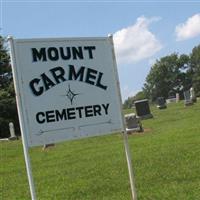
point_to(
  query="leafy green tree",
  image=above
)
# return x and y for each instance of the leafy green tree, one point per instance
(171, 74)
(166, 75)
(139, 96)
(8, 110)
(5, 68)
(128, 103)
(195, 69)
(4, 57)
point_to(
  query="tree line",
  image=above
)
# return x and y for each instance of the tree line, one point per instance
(169, 75)
(8, 109)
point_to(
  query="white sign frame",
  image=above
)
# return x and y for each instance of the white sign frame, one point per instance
(43, 88)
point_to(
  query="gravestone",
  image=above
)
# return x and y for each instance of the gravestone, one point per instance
(12, 131)
(171, 97)
(142, 109)
(133, 123)
(187, 96)
(192, 95)
(177, 97)
(161, 103)
(171, 94)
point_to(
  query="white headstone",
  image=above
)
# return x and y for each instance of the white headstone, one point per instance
(192, 94)
(177, 97)
(12, 130)
(188, 100)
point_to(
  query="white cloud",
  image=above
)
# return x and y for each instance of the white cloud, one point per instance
(189, 29)
(136, 42)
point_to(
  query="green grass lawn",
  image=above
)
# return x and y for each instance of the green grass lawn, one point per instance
(166, 161)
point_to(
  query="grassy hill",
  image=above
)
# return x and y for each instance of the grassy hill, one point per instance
(165, 160)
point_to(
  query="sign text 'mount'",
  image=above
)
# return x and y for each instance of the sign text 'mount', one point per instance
(64, 53)
(68, 88)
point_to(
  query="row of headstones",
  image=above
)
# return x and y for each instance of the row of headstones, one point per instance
(133, 121)
(189, 99)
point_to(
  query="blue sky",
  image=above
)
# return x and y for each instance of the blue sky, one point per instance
(143, 30)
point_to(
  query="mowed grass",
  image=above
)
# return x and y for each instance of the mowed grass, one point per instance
(166, 162)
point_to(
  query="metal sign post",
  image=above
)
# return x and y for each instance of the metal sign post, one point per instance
(130, 168)
(124, 132)
(22, 125)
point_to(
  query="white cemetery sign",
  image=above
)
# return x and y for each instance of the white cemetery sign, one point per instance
(68, 88)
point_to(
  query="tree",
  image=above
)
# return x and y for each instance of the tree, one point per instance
(172, 74)
(139, 96)
(8, 109)
(128, 103)
(169, 74)
(5, 68)
(4, 57)
(195, 69)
